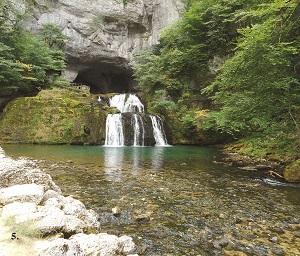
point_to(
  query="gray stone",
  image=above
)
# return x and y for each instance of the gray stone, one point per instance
(91, 220)
(22, 171)
(104, 35)
(128, 244)
(17, 208)
(52, 194)
(53, 222)
(58, 247)
(104, 244)
(73, 225)
(101, 244)
(22, 193)
(72, 206)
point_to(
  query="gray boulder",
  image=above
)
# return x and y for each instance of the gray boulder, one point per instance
(22, 193)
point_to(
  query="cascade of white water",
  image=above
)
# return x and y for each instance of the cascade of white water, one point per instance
(115, 125)
(131, 103)
(139, 130)
(158, 131)
(114, 130)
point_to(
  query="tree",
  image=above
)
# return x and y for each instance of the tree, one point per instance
(53, 36)
(9, 69)
(258, 88)
(28, 61)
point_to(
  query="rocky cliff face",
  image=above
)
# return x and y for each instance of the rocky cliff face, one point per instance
(105, 35)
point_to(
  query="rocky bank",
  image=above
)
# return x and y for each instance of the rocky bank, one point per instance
(36, 214)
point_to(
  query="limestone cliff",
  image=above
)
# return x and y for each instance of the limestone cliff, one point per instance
(105, 35)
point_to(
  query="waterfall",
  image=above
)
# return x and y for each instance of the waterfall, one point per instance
(114, 130)
(133, 127)
(158, 131)
(127, 104)
(139, 134)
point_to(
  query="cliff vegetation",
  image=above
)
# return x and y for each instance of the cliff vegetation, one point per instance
(239, 62)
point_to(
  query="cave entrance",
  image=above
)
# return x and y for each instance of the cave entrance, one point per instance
(104, 78)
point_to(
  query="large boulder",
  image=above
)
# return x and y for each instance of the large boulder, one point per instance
(20, 209)
(22, 171)
(22, 193)
(82, 244)
(57, 215)
(104, 244)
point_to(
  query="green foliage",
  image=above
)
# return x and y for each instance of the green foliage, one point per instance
(258, 87)
(53, 36)
(161, 103)
(189, 125)
(257, 90)
(28, 61)
(206, 29)
(9, 69)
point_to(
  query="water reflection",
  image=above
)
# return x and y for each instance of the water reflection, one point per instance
(157, 157)
(113, 162)
(119, 159)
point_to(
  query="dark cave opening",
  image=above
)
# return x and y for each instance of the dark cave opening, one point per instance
(104, 78)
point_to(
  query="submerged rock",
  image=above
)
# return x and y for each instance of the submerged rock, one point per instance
(116, 211)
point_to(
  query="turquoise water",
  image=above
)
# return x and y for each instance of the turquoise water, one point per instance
(189, 196)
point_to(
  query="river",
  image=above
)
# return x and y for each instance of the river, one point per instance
(178, 200)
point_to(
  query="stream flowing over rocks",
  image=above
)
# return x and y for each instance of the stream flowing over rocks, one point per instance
(27, 194)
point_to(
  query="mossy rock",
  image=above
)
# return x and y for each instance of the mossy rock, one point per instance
(58, 116)
(292, 172)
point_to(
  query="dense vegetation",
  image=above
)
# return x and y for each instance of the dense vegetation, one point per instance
(255, 91)
(28, 61)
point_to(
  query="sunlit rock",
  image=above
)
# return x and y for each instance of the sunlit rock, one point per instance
(18, 208)
(116, 211)
(22, 193)
(58, 247)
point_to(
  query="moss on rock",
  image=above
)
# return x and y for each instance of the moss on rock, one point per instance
(292, 172)
(54, 116)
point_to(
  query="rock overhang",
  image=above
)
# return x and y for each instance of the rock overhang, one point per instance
(105, 35)
(103, 75)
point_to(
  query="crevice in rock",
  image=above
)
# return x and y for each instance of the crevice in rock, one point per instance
(67, 235)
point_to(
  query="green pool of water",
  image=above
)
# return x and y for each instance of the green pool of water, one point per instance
(188, 197)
